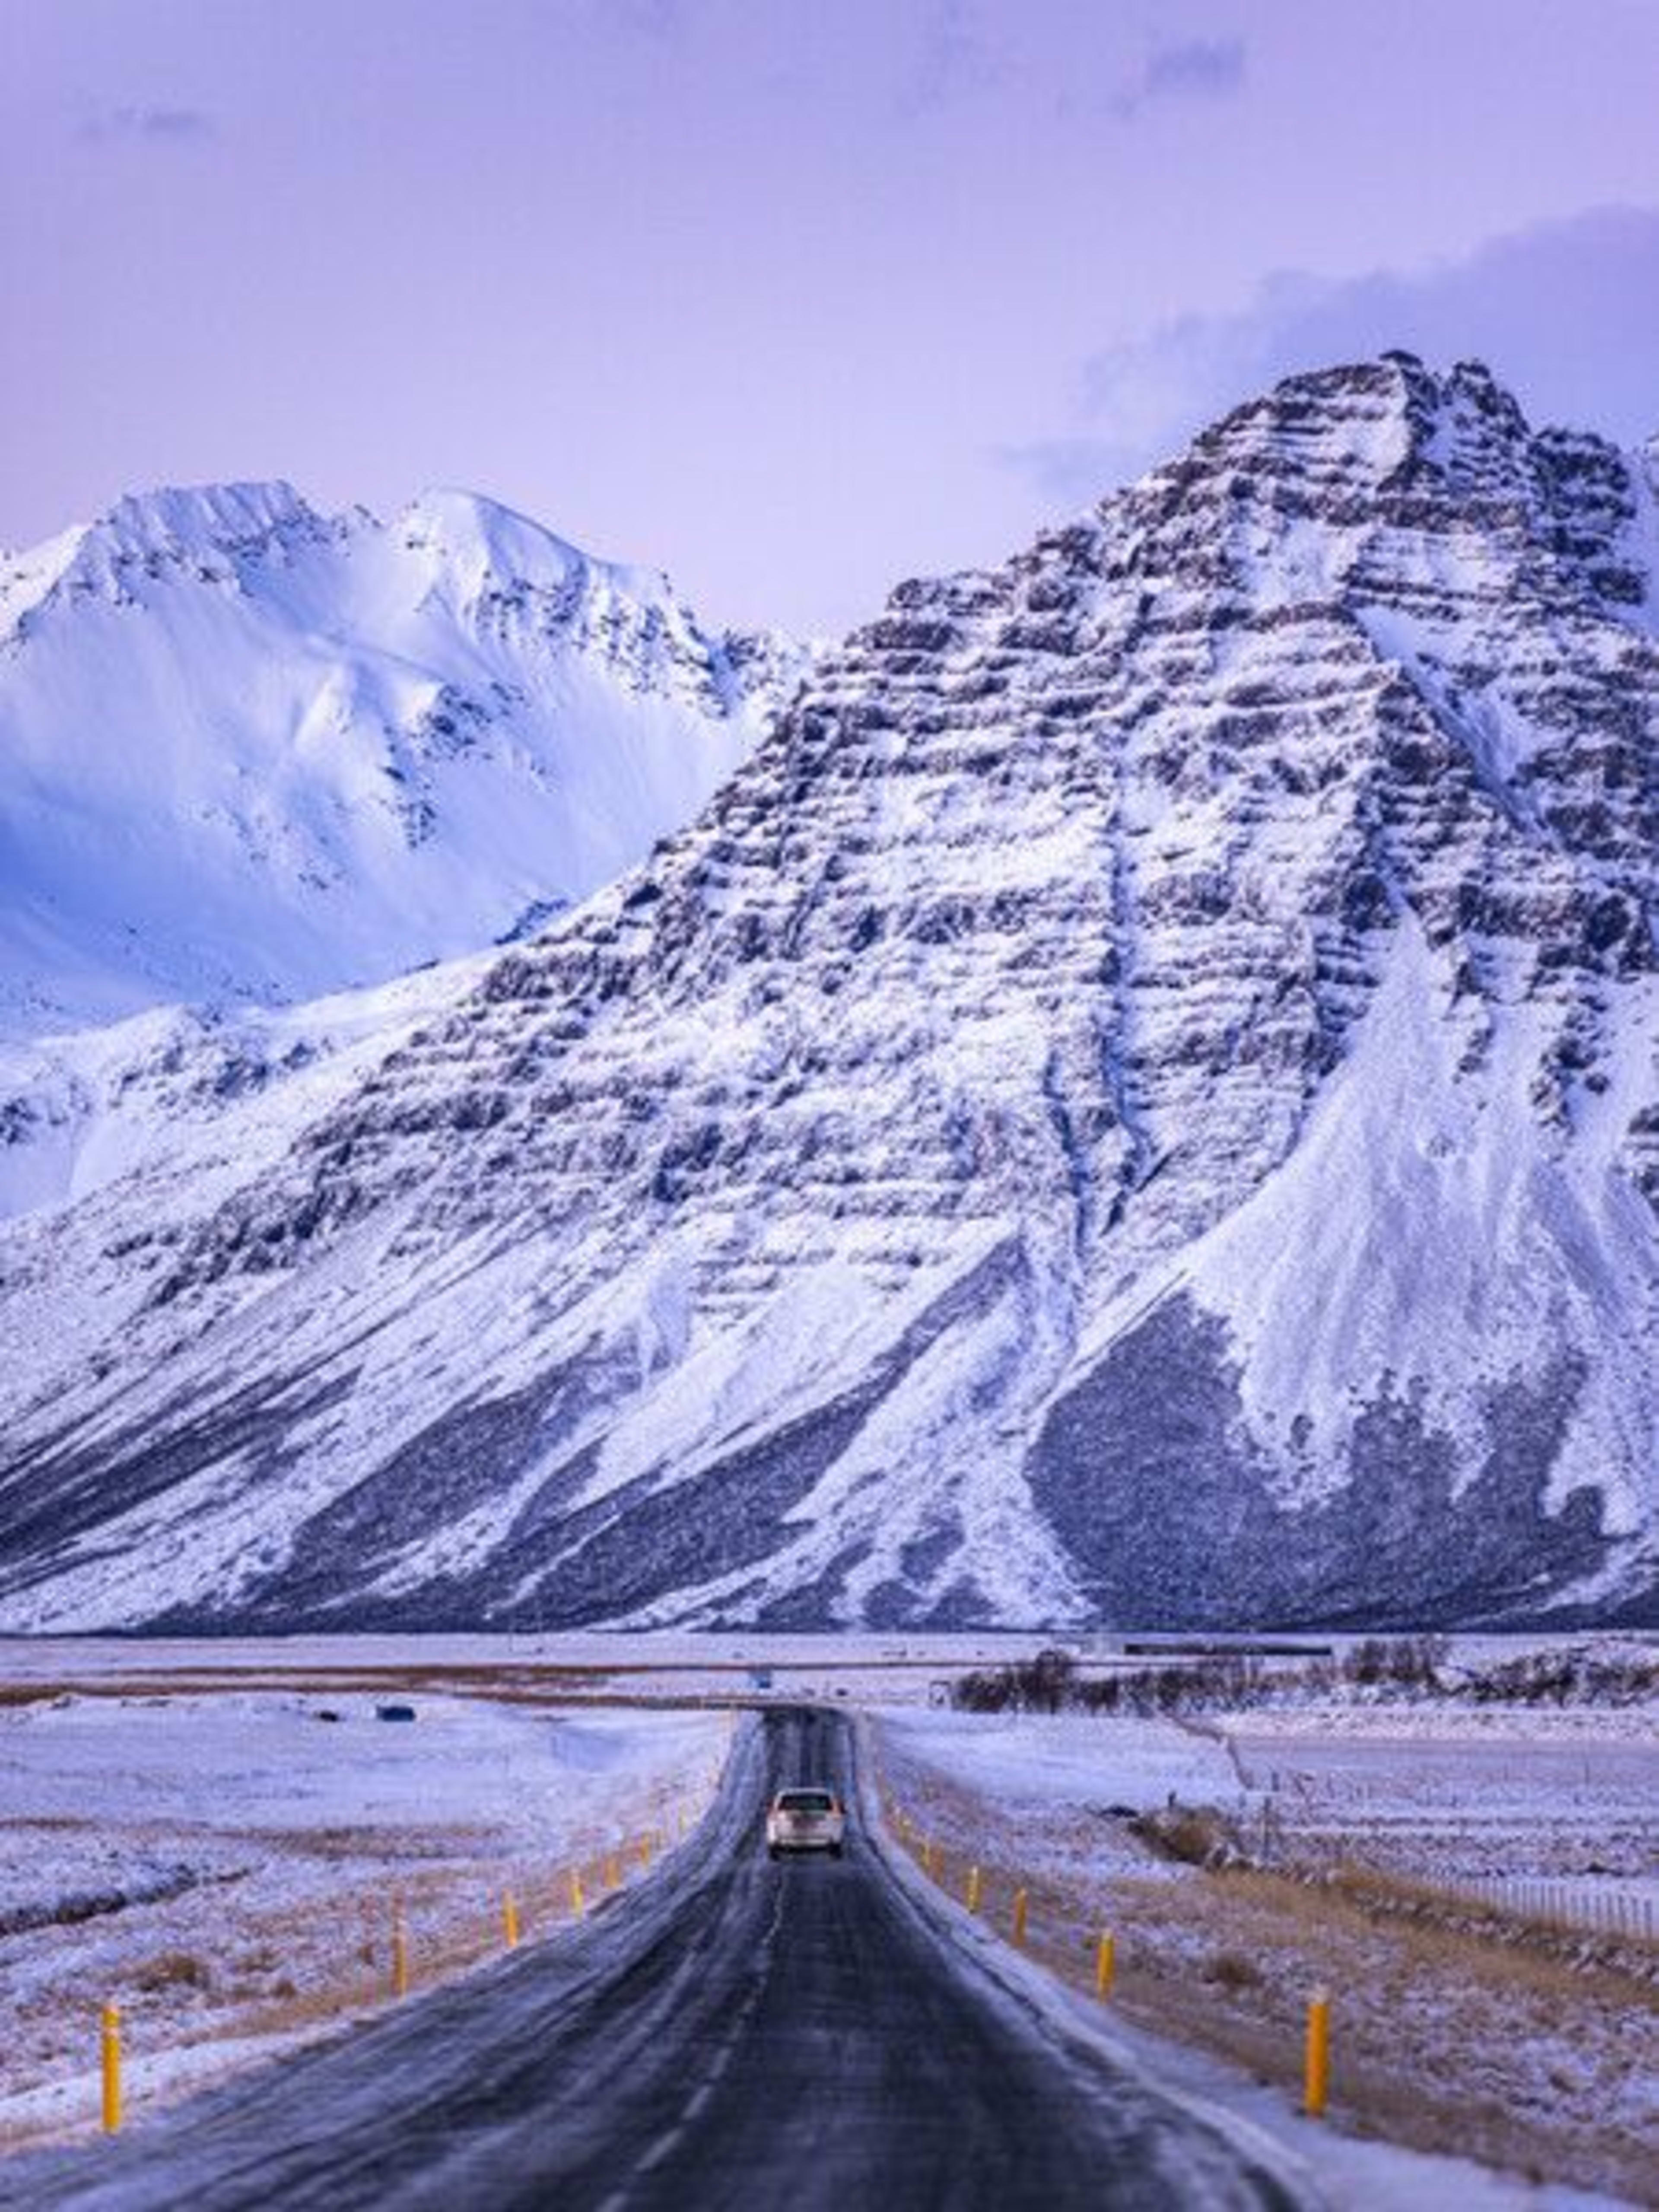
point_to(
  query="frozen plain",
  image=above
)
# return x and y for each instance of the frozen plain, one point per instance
(1391, 1852)
(258, 1847)
(224, 1864)
(239, 1855)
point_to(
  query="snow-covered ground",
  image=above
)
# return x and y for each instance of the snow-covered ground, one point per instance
(1356, 2173)
(895, 1668)
(1531, 2047)
(225, 1867)
(183, 1830)
(1475, 1799)
(1433, 1790)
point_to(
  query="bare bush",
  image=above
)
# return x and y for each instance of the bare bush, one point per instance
(1568, 1678)
(1229, 1681)
(1233, 1970)
(172, 1970)
(1193, 1835)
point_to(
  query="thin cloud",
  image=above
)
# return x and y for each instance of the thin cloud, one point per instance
(663, 22)
(1204, 69)
(954, 59)
(1566, 313)
(149, 126)
(1191, 68)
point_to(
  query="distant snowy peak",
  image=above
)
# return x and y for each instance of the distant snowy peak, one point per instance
(203, 534)
(507, 577)
(482, 563)
(366, 744)
(475, 541)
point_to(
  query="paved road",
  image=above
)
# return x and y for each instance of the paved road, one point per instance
(731, 2034)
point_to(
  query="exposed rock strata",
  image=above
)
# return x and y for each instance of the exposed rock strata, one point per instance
(1135, 1103)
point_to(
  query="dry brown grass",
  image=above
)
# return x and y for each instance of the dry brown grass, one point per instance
(1455, 2029)
(171, 1970)
(1233, 1970)
(308, 1966)
(1434, 1928)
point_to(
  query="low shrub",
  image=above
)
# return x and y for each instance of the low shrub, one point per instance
(1194, 1835)
(172, 1970)
(1232, 1970)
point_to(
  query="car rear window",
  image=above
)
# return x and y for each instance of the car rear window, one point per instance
(805, 1800)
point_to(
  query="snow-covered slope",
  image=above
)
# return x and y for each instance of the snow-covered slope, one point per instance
(251, 752)
(1135, 1103)
(181, 1088)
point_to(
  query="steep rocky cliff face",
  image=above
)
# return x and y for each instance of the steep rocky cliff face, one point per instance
(1135, 1103)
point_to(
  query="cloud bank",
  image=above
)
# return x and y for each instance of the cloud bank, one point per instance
(1566, 313)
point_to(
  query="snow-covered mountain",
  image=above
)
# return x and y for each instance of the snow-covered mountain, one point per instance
(1135, 1103)
(88, 1108)
(250, 752)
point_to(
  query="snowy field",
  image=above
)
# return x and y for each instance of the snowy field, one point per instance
(225, 1867)
(1241, 1862)
(897, 1669)
(1468, 1798)
(184, 1830)
(1561, 1806)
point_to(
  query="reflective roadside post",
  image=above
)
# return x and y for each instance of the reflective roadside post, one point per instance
(1317, 2061)
(1105, 1963)
(110, 2039)
(399, 1951)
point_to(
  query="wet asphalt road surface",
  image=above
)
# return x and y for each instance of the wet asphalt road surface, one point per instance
(733, 2033)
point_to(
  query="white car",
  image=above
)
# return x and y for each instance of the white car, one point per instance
(806, 1820)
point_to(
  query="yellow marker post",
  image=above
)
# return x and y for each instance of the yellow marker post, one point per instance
(1022, 1906)
(1317, 2062)
(613, 1872)
(1105, 1963)
(578, 1901)
(928, 1856)
(399, 1954)
(645, 1854)
(111, 2040)
(975, 1888)
(510, 1920)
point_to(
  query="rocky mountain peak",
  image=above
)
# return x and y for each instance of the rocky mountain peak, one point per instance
(1131, 1103)
(362, 746)
(477, 546)
(200, 534)
(1405, 455)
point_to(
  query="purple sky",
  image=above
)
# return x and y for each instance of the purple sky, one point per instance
(790, 297)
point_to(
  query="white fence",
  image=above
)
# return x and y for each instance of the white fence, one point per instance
(1602, 1910)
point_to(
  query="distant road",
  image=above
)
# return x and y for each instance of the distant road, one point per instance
(731, 2034)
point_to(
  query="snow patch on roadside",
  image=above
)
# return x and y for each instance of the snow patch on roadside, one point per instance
(242, 1852)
